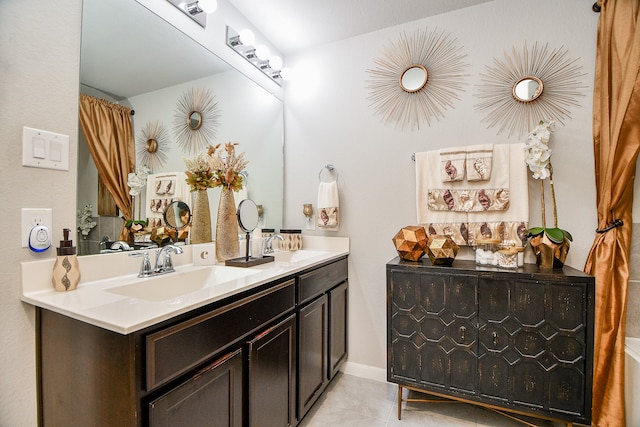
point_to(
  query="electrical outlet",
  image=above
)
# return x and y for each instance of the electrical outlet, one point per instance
(33, 217)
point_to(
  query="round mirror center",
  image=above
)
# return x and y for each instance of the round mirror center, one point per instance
(152, 145)
(194, 120)
(528, 89)
(247, 215)
(414, 78)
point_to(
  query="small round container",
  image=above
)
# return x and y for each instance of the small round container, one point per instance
(487, 251)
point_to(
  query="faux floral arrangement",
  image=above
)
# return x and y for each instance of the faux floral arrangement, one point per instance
(538, 158)
(218, 167)
(85, 220)
(137, 182)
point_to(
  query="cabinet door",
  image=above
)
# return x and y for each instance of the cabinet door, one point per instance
(532, 344)
(272, 383)
(433, 330)
(213, 397)
(337, 328)
(312, 352)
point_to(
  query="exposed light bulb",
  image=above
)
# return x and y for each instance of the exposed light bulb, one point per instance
(275, 62)
(263, 52)
(247, 37)
(208, 6)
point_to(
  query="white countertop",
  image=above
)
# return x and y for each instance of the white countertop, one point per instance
(104, 296)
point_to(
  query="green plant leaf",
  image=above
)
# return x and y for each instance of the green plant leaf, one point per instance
(535, 231)
(556, 235)
(567, 235)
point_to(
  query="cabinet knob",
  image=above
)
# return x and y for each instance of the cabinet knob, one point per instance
(494, 335)
(463, 331)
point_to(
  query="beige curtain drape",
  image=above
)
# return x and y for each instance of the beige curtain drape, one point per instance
(616, 130)
(109, 133)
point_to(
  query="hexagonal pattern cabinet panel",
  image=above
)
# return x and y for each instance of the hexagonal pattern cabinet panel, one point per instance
(519, 339)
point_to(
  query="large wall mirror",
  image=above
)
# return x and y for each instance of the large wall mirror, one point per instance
(131, 56)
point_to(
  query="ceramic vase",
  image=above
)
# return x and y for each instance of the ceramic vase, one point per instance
(200, 218)
(549, 255)
(227, 242)
(66, 273)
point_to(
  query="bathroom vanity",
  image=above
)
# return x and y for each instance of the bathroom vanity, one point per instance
(518, 341)
(257, 356)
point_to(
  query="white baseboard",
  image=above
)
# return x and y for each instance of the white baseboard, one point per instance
(365, 371)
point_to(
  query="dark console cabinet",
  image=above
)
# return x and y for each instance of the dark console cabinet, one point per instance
(518, 340)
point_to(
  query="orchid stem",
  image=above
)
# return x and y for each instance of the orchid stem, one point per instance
(544, 215)
(553, 197)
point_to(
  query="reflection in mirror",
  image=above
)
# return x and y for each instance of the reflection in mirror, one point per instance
(194, 120)
(114, 33)
(414, 78)
(177, 215)
(528, 89)
(247, 215)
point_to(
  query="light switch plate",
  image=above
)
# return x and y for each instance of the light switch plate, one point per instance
(33, 217)
(43, 149)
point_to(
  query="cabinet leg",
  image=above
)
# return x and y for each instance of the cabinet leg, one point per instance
(399, 402)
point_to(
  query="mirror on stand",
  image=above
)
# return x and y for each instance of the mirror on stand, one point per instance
(248, 218)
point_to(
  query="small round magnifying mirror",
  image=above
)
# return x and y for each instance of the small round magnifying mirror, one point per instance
(528, 89)
(194, 120)
(247, 215)
(177, 215)
(414, 78)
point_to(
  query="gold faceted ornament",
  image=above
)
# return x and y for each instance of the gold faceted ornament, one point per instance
(442, 250)
(410, 242)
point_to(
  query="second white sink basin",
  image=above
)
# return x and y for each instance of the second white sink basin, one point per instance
(173, 285)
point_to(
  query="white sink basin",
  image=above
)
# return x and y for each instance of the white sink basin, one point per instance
(173, 285)
(292, 257)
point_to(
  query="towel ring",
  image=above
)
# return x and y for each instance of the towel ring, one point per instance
(330, 168)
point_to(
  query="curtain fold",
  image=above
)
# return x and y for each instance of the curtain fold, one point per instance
(616, 133)
(109, 133)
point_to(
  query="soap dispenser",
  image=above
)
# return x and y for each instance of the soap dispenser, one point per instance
(66, 271)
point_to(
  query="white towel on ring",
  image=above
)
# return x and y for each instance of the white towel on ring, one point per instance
(328, 205)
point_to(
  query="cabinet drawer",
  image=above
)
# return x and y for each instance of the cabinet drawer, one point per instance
(175, 350)
(321, 280)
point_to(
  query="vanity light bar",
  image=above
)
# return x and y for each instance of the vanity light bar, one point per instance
(192, 10)
(248, 52)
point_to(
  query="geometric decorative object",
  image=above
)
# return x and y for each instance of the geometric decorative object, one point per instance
(530, 85)
(441, 250)
(152, 145)
(195, 120)
(417, 78)
(410, 242)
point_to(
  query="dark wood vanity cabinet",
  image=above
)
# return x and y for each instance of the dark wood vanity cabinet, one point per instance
(322, 326)
(519, 340)
(235, 362)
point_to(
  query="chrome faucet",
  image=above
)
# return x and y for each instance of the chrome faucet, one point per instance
(120, 246)
(267, 248)
(164, 264)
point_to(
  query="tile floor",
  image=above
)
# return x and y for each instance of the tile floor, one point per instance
(354, 401)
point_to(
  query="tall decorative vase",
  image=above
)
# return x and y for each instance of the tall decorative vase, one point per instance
(200, 218)
(227, 243)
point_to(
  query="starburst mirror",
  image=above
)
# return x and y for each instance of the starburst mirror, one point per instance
(417, 78)
(196, 120)
(528, 85)
(152, 145)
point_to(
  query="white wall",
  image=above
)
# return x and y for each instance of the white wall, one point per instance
(328, 120)
(39, 59)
